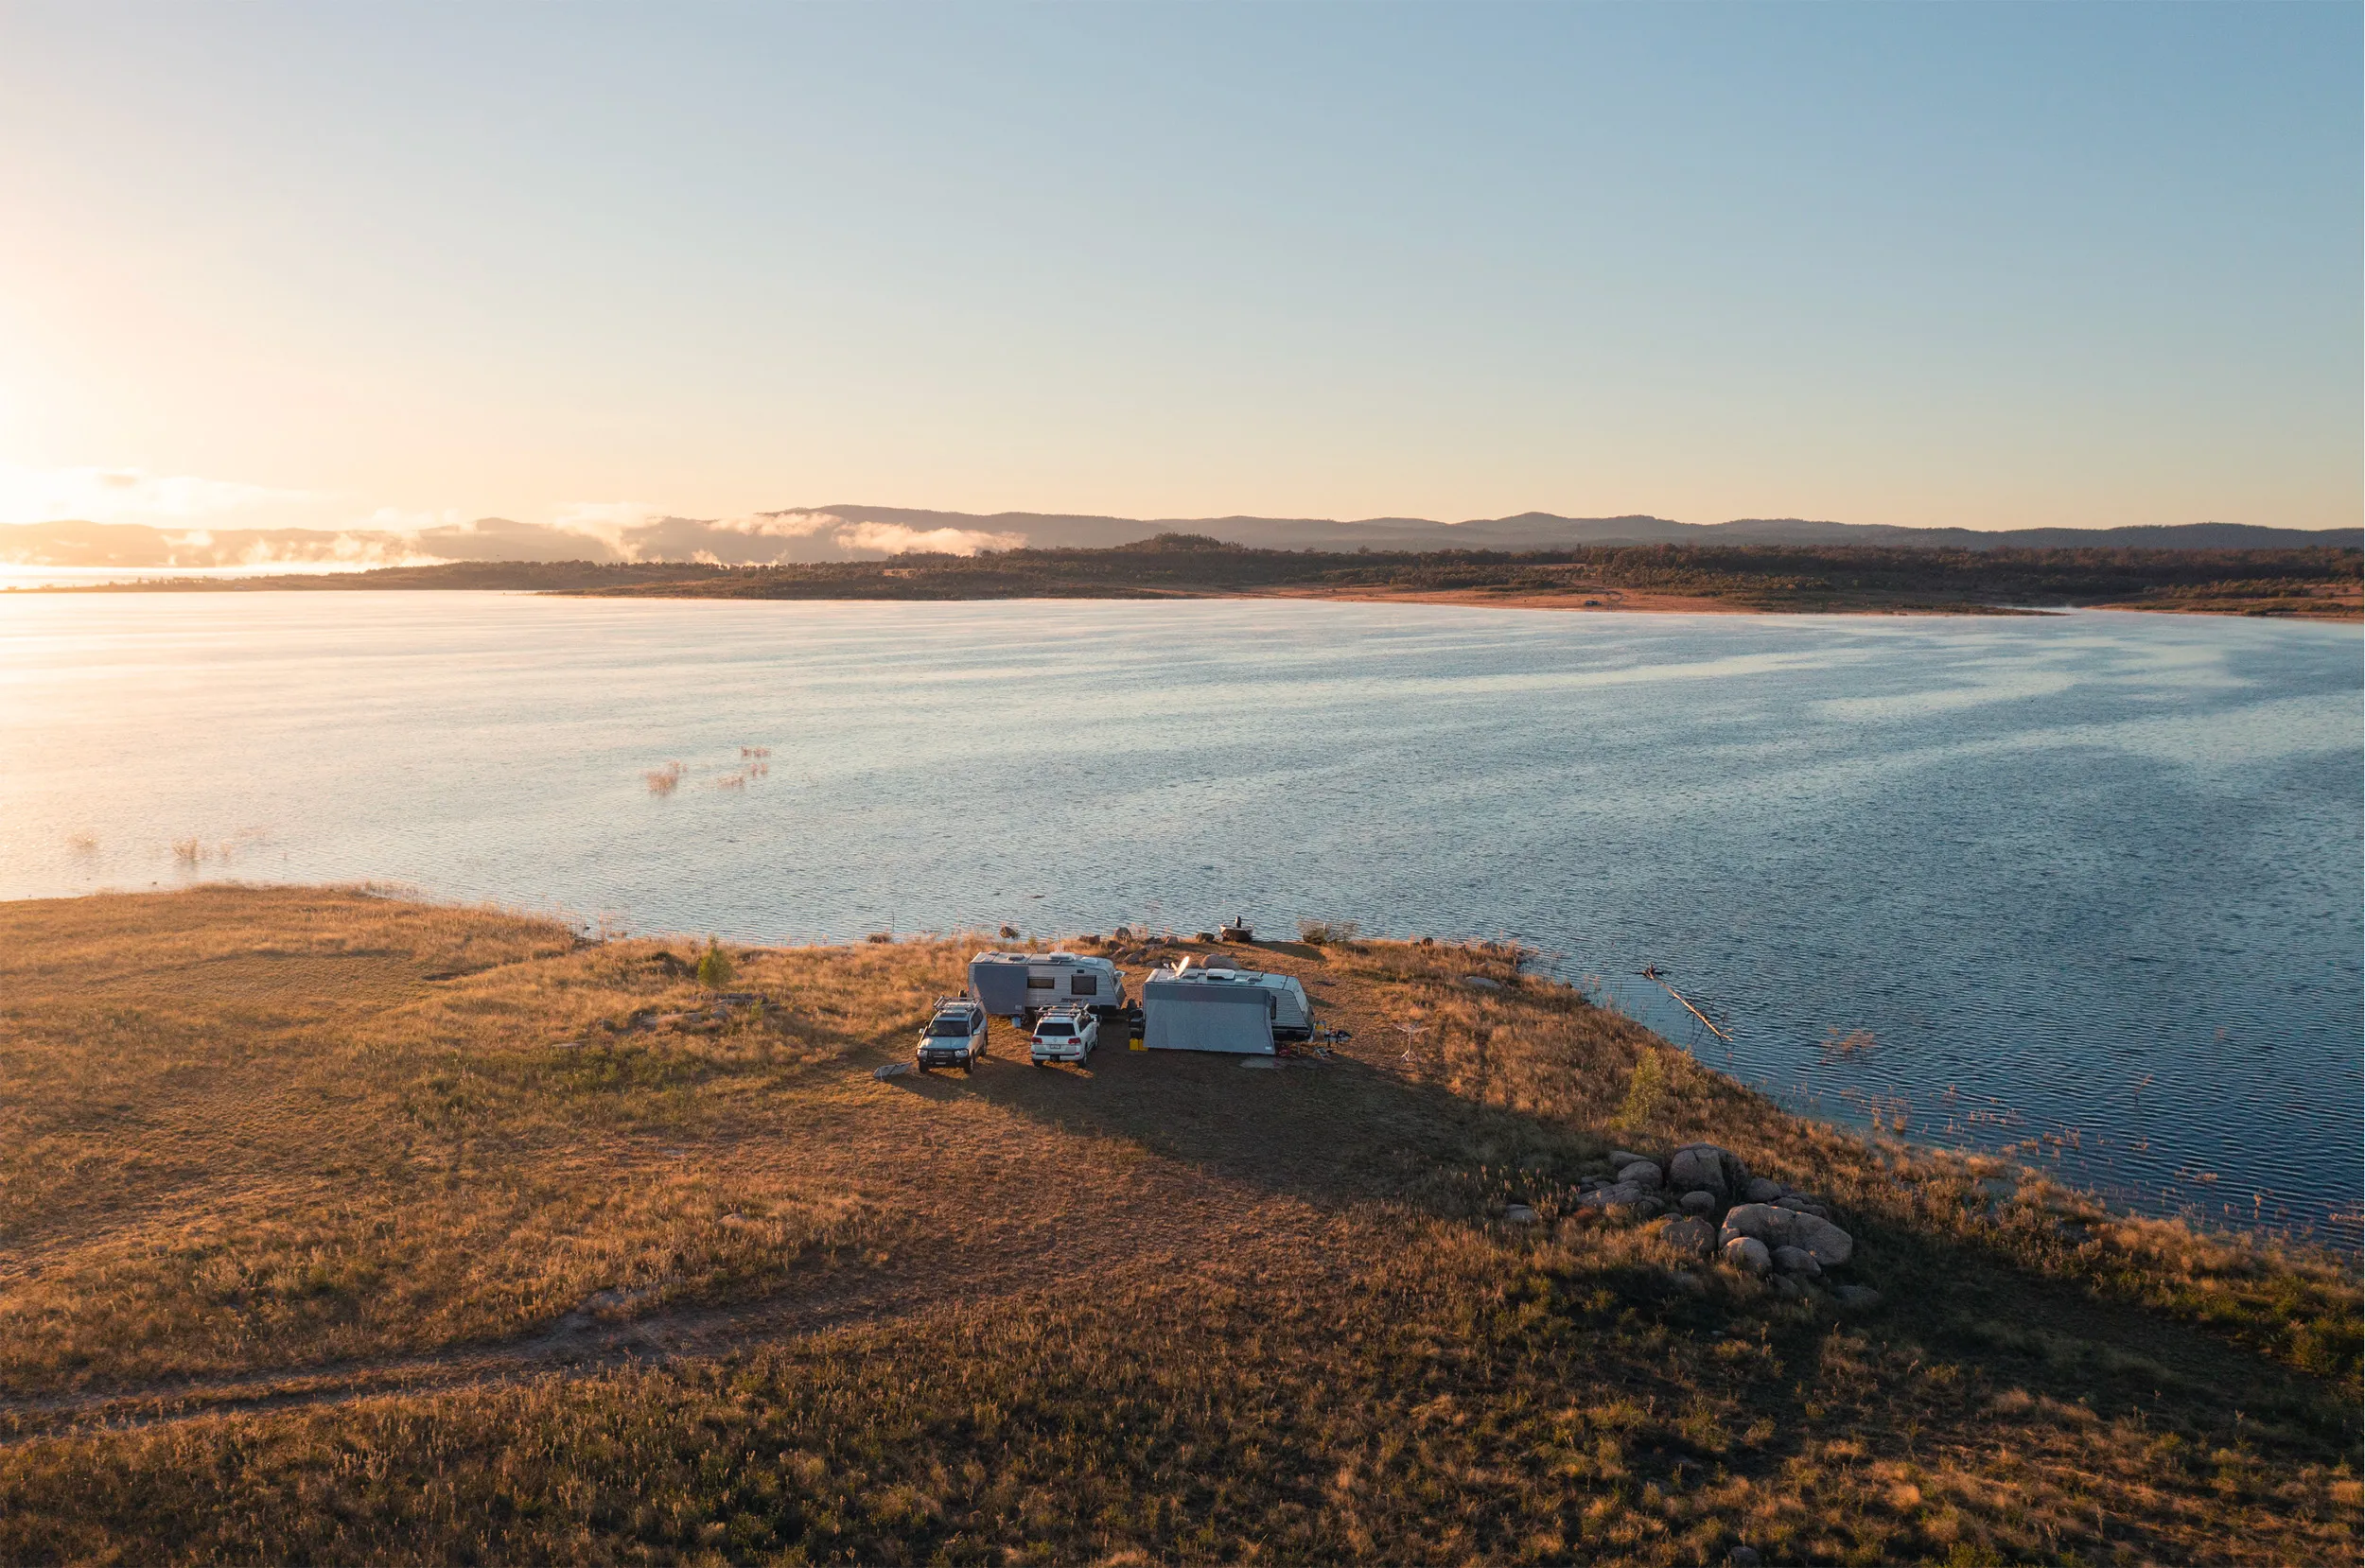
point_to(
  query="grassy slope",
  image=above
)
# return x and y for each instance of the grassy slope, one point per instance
(302, 1187)
(2322, 583)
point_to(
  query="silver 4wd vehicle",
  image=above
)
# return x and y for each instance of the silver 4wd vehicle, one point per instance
(1065, 1034)
(955, 1036)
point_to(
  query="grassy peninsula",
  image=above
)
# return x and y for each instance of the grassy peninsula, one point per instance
(2319, 583)
(335, 1228)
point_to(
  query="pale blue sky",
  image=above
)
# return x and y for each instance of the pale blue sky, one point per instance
(1987, 265)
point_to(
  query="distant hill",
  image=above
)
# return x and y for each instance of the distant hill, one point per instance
(1549, 531)
(806, 535)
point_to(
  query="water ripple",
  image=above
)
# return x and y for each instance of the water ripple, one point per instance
(2083, 887)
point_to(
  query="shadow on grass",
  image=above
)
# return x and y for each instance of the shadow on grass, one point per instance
(1341, 1134)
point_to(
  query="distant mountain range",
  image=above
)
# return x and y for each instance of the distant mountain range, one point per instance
(869, 532)
(1547, 531)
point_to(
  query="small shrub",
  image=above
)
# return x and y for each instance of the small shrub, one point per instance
(715, 967)
(880, 937)
(1645, 1091)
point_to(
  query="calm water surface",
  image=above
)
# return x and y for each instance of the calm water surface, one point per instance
(2092, 879)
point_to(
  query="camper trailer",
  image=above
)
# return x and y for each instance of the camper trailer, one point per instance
(1238, 1011)
(1020, 984)
(1293, 1010)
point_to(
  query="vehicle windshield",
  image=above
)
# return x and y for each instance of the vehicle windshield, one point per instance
(1056, 1028)
(956, 1027)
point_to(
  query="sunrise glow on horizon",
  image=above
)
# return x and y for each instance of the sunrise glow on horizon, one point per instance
(1994, 267)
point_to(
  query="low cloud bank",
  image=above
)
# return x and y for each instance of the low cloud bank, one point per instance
(606, 531)
(895, 539)
(138, 547)
(105, 518)
(618, 531)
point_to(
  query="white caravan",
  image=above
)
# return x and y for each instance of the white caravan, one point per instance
(1020, 984)
(1293, 1010)
(1238, 1011)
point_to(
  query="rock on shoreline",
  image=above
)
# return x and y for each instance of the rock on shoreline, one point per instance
(1787, 1228)
(1751, 1223)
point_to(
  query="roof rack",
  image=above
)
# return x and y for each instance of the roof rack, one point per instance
(1006, 956)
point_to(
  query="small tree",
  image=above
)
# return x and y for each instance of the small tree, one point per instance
(715, 967)
(1646, 1092)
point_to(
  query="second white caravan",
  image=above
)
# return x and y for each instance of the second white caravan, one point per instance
(1020, 984)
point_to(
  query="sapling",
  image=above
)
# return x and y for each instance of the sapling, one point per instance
(1645, 1092)
(715, 967)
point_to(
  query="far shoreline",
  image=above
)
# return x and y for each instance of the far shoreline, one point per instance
(2349, 611)
(2319, 582)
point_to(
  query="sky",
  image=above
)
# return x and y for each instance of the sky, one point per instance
(387, 266)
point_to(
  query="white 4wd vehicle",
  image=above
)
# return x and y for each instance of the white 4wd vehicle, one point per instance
(1065, 1034)
(955, 1036)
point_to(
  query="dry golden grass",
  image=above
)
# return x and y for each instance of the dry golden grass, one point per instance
(377, 1229)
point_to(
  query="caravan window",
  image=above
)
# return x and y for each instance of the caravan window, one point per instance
(1084, 986)
(1041, 983)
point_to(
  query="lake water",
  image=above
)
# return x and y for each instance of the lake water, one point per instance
(2090, 879)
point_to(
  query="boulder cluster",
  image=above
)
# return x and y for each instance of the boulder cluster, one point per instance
(1751, 1223)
